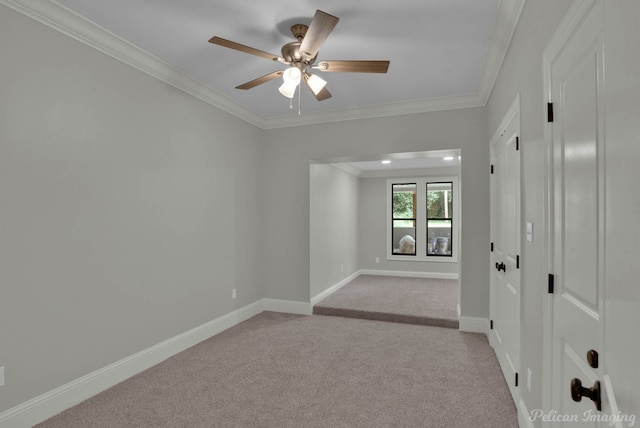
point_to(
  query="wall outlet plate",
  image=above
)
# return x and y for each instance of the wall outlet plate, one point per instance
(1, 376)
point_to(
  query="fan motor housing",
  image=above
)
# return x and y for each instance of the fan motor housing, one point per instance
(291, 53)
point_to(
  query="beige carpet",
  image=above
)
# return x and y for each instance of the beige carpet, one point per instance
(281, 370)
(387, 298)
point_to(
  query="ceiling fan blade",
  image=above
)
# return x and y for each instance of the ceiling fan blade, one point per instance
(260, 80)
(246, 49)
(321, 26)
(353, 66)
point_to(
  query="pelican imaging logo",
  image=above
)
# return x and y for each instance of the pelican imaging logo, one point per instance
(588, 416)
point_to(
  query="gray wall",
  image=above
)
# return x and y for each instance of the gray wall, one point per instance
(522, 73)
(333, 227)
(129, 210)
(289, 152)
(373, 237)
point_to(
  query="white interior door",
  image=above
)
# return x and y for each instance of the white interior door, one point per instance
(577, 223)
(505, 292)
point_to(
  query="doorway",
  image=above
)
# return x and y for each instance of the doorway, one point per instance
(368, 216)
(505, 246)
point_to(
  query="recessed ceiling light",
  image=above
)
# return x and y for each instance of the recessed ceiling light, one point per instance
(386, 161)
(448, 158)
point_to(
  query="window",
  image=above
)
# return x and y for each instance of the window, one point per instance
(403, 209)
(439, 219)
(423, 221)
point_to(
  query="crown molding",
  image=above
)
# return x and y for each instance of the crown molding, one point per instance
(348, 169)
(507, 18)
(413, 172)
(64, 20)
(395, 109)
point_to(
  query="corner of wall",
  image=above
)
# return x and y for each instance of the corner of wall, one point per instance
(474, 325)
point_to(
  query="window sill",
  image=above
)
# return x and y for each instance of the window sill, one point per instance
(436, 259)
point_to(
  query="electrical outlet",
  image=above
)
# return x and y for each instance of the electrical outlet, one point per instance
(341, 268)
(377, 259)
(529, 375)
(233, 293)
(1, 376)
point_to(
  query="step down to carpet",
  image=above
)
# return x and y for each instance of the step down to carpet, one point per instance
(422, 301)
(382, 316)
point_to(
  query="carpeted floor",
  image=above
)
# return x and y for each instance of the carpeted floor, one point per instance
(282, 370)
(387, 298)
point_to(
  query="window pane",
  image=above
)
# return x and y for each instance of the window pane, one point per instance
(404, 201)
(404, 237)
(439, 240)
(439, 219)
(440, 200)
(404, 219)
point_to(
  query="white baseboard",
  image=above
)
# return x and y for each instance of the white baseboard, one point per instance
(287, 306)
(474, 325)
(55, 401)
(434, 275)
(318, 297)
(524, 418)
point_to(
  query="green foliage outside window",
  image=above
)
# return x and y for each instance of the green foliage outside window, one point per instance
(436, 204)
(403, 204)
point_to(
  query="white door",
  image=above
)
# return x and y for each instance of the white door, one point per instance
(577, 227)
(505, 268)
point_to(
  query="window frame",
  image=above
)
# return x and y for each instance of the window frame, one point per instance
(421, 220)
(414, 218)
(449, 219)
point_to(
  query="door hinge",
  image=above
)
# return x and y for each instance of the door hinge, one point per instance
(517, 143)
(491, 325)
(491, 169)
(516, 379)
(549, 112)
(517, 262)
(550, 289)
(492, 246)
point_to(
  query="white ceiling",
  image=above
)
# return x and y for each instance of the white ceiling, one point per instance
(443, 53)
(396, 162)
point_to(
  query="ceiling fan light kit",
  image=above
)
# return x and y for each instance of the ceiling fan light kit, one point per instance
(292, 75)
(301, 56)
(315, 83)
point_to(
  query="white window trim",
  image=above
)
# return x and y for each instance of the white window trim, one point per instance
(421, 223)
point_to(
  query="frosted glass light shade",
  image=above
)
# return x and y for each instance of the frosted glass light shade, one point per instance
(316, 83)
(292, 75)
(288, 89)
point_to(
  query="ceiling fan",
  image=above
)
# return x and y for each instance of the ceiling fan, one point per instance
(301, 56)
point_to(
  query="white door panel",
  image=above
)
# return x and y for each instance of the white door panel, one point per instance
(578, 232)
(505, 283)
(593, 240)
